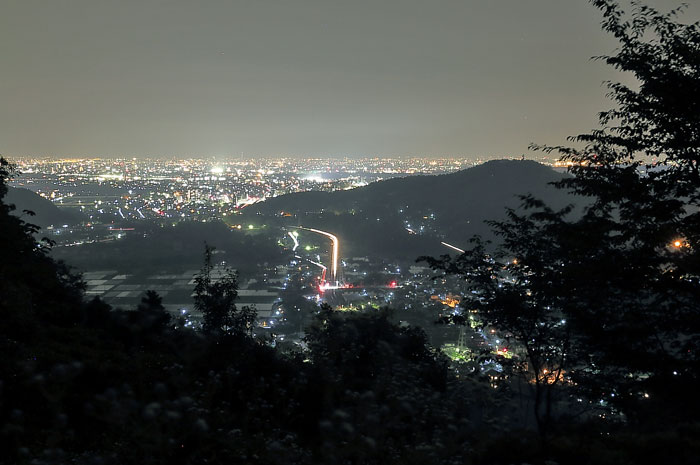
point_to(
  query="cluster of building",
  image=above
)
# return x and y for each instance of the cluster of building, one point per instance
(114, 195)
(138, 189)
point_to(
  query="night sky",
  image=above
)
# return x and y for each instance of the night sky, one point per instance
(299, 77)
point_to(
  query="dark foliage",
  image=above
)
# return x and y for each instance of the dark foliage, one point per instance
(81, 382)
(30, 281)
(611, 296)
(215, 298)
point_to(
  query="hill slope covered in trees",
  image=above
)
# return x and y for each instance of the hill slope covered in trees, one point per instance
(46, 213)
(376, 219)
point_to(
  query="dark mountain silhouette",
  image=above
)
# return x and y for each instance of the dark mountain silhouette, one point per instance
(46, 213)
(450, 207)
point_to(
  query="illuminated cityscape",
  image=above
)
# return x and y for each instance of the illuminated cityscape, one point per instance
(110, 192)
(203, 189)
(350, 232)
(123, 200)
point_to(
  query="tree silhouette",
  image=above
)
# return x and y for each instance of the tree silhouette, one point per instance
(151, 312)
(151, 301)
(216, 290)
(621, 272)
(634, 266)
(511, 291)
(32, 284)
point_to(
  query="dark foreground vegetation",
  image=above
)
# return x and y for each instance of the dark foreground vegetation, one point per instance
(604, 308)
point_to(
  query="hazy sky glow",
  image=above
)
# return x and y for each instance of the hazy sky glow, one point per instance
(298, 77)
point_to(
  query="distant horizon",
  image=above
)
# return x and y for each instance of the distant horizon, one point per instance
(282, 157)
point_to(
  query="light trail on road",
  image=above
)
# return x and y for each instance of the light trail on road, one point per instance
(452, 247)
(294, 238)
(334, 255)
(323, 267)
